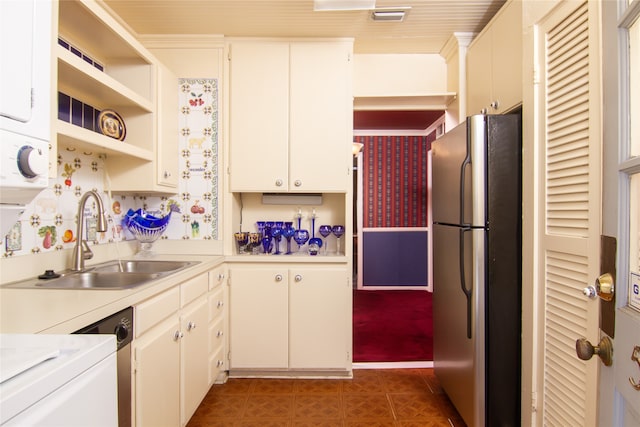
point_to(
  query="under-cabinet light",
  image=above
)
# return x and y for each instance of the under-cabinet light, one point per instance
(325, 5)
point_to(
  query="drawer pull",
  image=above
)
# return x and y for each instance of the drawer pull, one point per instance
(220, 363)
(220, 304)
(177, 335)
(219, 334)
(298, 278)
(278, 277)
(191, 325)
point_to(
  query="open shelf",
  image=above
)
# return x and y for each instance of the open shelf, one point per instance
(75, 137)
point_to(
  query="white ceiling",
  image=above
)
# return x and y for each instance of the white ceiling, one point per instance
(425, 29)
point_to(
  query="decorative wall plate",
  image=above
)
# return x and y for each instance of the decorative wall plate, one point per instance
(111, 124)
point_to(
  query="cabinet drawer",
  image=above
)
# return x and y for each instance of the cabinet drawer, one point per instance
(216, 365)
(216, 335)
(156, 309)
(216, 277)
(216, 304)
(193, 288)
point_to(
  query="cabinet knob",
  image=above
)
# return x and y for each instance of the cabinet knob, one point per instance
(495, 104)
(219, 334)
(278, 183)
(483, 111)
(177, 335)
(297, 183)
(167, 174)
(278, 277)
(220, 363)
(220, 276)
(298, 278)
(220, 304)
(191, 325)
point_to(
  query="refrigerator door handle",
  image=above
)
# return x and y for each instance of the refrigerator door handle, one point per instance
(463, 281)
(463, 169)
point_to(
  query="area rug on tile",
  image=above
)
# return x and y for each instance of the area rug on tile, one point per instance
(392, 326)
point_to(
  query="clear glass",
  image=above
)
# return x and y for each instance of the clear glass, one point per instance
(634, 88)
(634, 223)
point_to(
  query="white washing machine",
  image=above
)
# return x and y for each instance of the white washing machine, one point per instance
(58, 380)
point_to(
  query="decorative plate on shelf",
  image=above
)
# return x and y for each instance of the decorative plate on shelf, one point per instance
(111, 124)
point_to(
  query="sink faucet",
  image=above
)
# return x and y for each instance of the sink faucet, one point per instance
(81, 250)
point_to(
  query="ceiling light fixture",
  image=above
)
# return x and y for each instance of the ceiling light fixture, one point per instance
(389, 15)
(326, 5)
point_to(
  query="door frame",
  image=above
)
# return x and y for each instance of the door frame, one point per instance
(616, 171)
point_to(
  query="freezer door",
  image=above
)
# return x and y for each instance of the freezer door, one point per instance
(448, 154)
(458, 318)
(459, 174)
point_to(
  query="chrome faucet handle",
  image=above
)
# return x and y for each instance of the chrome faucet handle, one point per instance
(86, 251)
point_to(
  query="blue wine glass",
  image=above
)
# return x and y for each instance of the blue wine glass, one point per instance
(266, 244)
(338, 231)
(325, 231)
(287, 232)
(276, 233)
(301, 237)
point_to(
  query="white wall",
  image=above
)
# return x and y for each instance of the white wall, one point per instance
(399, 74)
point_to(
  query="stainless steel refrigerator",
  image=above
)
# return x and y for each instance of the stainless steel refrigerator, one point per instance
(477, 223)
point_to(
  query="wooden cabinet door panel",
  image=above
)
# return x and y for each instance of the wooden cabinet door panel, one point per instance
(319, 313)
(506, 34)
(195, 356)
(479, 75)
(259, 116)
(321, 117)
(157, 376)
(258, 318)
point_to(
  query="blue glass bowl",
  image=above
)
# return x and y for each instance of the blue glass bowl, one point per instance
(145, 227)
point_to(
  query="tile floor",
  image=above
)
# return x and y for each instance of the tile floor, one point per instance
(373, 398)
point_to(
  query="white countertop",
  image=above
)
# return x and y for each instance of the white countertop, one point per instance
(61, 311)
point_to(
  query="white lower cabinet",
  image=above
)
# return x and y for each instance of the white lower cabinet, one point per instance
(289, 318)
(194, 378)
(171, 355)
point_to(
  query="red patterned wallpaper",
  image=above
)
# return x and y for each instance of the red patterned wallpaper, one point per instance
(395, 180)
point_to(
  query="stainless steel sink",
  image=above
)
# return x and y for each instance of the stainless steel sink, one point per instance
(110, 275)
(95, 280)
(140, 266)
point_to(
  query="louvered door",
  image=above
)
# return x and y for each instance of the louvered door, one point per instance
(569, 193)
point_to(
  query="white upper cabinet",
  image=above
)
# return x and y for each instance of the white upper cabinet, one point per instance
(494, 64)
(291, 115)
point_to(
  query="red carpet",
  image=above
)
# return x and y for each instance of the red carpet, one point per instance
(392, 326)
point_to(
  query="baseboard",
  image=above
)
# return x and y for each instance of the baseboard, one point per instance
(392, 365)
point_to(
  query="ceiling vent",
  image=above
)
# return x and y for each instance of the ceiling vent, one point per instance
(389, 15)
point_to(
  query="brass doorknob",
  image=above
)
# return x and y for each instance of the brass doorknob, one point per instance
(585, 350)
(605, 287)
